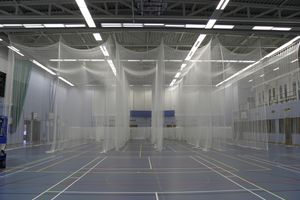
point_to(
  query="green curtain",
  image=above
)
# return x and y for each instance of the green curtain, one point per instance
(22, 71)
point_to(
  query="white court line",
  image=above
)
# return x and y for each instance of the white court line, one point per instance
(61, 161)
(64, 179)
(274, 164)
(125, 148)
(156, 196)
(29, 163)
(171, 148)
(250, 163)
(267, 191)
(232, 157)
(216, 171)
(149, 160)
(18, 171)
(140, 154)
(79, 178)
(224, 164)
(27, 146)
(166, 192)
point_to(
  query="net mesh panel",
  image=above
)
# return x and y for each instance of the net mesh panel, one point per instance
(97, 108)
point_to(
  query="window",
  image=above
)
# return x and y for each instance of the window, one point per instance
(270, 95)
(280, 91)
(271, 126)
(281, 125)
(299, 90)
(285, 91)
(294, 89)
(274, 94)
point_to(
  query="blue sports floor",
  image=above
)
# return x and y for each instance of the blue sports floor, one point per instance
(138, 172)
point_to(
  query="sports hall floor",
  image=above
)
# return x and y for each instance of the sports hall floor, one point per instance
(138, 172)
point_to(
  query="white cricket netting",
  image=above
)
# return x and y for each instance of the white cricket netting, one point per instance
(209, 112)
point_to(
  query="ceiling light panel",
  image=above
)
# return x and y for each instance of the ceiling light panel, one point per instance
(223, 26)
(54, 25)
(132, 25)
(111, 25)
(86, 13)
(210, 23)
(97, 36)
(195, 26)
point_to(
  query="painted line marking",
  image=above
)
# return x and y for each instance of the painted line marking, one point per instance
(224, 164)
(150, 164)
(140, 154)
(166, 192)
(64, 179)
(274, 164)
(263, 189)
(18, 171)
(79, 178)
(250, 163)
(216, 171)
(156, 196)
(72, 157)
(171, 148)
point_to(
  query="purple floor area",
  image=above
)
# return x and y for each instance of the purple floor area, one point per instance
(138, 171)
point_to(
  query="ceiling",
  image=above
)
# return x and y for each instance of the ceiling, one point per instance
(243, 14)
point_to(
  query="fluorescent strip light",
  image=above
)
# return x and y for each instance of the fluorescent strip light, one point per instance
(224, 5)
(175, 25)
(69, 60)
(269, 55)
(148, 60)
(107, 25)
(281, 29)
(33, 25)
(195, 46)
(104, 50)
(183, 66)
(195, 26)
(294, 60)
(43, 67)
(56, 60)
(133, 60)
(12, 25)
(220, 4)
(275, 69)
(112, 66)
(75, 25)
(54, 25)
(1, 25)
(177, 74)
(68, 82)
(97, 60)
(1, 39)
(153, 24)
(132, 25)
(262, 75)
(13, 48)
(263, 28)
(173, 82)
(282, 47)
(86, 13)
(97, 36)
(210, 23)
(223, 26)
(19, 53)
(173, 60)
(250, 80)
